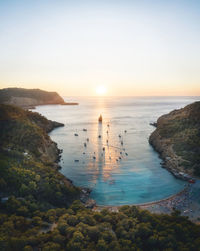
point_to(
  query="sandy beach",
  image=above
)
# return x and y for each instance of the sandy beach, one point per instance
(186, 201)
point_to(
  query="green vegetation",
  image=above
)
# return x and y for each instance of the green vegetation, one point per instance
(29, 182)
(22, 177)
(40, 210)
(25, 131)
(181, 129)
(80, 229)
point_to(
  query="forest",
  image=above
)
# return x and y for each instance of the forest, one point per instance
(40, 209)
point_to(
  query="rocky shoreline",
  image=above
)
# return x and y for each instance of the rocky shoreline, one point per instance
(85, 198)
(49, 149)
(170, 160)
(170, 135)
(84, 192)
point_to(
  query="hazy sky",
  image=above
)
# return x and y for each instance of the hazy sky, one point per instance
(129, 47)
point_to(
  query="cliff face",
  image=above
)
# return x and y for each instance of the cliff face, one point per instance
(177, 139)
(29, 97)
(24, 130)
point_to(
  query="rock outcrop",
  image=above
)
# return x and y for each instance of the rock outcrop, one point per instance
(177, 139)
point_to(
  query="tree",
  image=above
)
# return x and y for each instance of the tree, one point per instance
(28, 248)
(37, 221)
(62, 227)
(51, 246)
(72, 220)
(24, 190)
(77, 242)
(101, 246)
(23, 211)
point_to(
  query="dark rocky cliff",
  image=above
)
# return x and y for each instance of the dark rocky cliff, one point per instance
(177, 139)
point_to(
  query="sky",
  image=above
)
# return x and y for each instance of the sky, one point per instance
(121, 47)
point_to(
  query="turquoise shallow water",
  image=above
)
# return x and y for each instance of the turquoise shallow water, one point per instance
(138, 176)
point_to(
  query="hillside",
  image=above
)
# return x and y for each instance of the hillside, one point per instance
(39, 210)
(30, 97)
(177, 139)
(28, 158)
(26, 131)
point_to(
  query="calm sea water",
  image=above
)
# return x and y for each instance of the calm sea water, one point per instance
(135, 178)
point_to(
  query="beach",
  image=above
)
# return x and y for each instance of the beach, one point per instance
(187, 202)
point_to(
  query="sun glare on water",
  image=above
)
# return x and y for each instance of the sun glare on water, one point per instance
(101, 90)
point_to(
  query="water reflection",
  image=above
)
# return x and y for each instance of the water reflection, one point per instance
(108, 153)
(104, 159)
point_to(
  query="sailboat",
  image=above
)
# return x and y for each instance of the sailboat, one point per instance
(100, 119)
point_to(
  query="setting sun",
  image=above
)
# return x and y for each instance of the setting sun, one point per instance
(91, 92)
(101, 90)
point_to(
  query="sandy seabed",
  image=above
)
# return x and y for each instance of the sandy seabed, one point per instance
(187, 202)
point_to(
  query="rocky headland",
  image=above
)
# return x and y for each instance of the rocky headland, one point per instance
(25, 144)
(29, 98)
(177, 140)
(27, 131)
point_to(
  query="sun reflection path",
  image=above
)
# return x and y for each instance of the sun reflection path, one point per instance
(108, 153)
(106, 146)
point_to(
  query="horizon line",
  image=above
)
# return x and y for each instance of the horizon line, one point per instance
(110, 96)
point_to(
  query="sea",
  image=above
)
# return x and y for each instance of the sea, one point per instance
(114, 158)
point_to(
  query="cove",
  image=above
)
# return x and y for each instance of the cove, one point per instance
(118, 174)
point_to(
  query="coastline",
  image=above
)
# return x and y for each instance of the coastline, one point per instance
(175, 138)
(169, 158)
(84, 191)
(186, 201)
(146, 203)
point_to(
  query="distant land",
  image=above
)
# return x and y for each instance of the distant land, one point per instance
(177, 139)
(29, 98)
